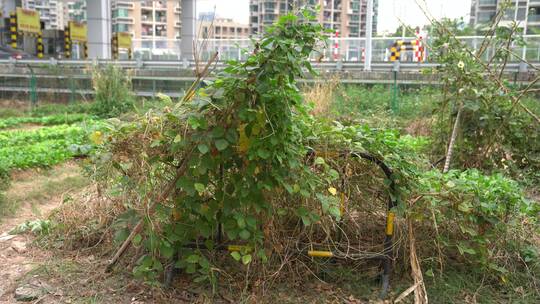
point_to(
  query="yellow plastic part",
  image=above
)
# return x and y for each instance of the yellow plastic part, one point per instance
(235, 247)
(390, 223)
(320, 254)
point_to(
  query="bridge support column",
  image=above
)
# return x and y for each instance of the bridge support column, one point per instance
(99, 29)
(188, 29)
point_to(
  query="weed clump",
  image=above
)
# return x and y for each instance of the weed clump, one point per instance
(113, 91)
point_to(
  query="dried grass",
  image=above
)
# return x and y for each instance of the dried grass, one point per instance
(321, 94)
(85, 220)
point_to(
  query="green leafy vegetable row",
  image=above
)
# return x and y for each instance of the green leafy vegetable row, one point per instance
(44, 147)
(27, 137)
(46, 120)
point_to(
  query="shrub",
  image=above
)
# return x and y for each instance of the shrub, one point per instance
(113, 91)
(485, 219)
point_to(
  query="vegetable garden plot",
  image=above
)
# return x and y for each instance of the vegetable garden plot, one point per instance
(22, 149)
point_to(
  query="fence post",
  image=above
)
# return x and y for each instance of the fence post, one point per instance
(71, 90)
(33, 89)
(394, 103)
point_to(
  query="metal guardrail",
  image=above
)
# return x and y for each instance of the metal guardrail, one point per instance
(183, 65)
(56, 79)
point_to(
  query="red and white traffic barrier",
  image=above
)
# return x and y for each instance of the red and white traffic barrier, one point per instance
(336, 47)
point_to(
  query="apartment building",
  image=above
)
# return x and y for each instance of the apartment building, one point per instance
(77, 10)
(346, 17)
(154, 24)
(528, 13)
(221, 28)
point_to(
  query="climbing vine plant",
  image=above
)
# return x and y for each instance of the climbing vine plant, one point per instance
(220, 156)
(484, 113)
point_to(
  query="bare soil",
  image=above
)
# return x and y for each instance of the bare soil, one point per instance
(38, 192)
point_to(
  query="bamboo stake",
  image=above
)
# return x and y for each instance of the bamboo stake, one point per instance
(452, 141)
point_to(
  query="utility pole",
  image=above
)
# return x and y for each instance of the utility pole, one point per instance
(369, 34)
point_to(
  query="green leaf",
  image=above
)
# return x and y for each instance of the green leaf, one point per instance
(203, 262)
(200, 279)
(166, 250)
(236, 255)
(251, 221)
(335, 212)
(465, 207)
(244, 234)
(121, 235)
(177, 138)
(199, 187)
(137, 239)
(221, 144)
(246, 259)
(282, 212)
(194, 122)
(241, 222)
(306, 220)
(333, 174)
(262, 255)
(193, 259)
(203, 148)
(319, 161)
(264, 154)
(465, 249)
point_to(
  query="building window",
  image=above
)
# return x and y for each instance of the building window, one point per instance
(161, 30)
(269, 6)
(161, 44)
(485, 16)
(120, 27)
(161, 16)
(488, 2)
(120, 12)
(146, 30)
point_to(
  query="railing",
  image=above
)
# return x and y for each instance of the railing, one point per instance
(349, 49)
(69, 79)
(79, 66)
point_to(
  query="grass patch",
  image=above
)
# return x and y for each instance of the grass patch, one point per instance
(39, 187)
(10, 112)
(458, 283)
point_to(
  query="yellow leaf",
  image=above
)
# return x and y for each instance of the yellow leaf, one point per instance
(243, 141)
(332, 190)
(97, 138)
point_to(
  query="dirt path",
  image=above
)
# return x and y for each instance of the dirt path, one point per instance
(33, 195)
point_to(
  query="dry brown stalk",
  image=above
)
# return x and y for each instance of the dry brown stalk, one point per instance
(420, 294)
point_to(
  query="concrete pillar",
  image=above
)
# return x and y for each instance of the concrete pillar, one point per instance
(7, 7)
(188, 29)
(99, 29)
(369, 33)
